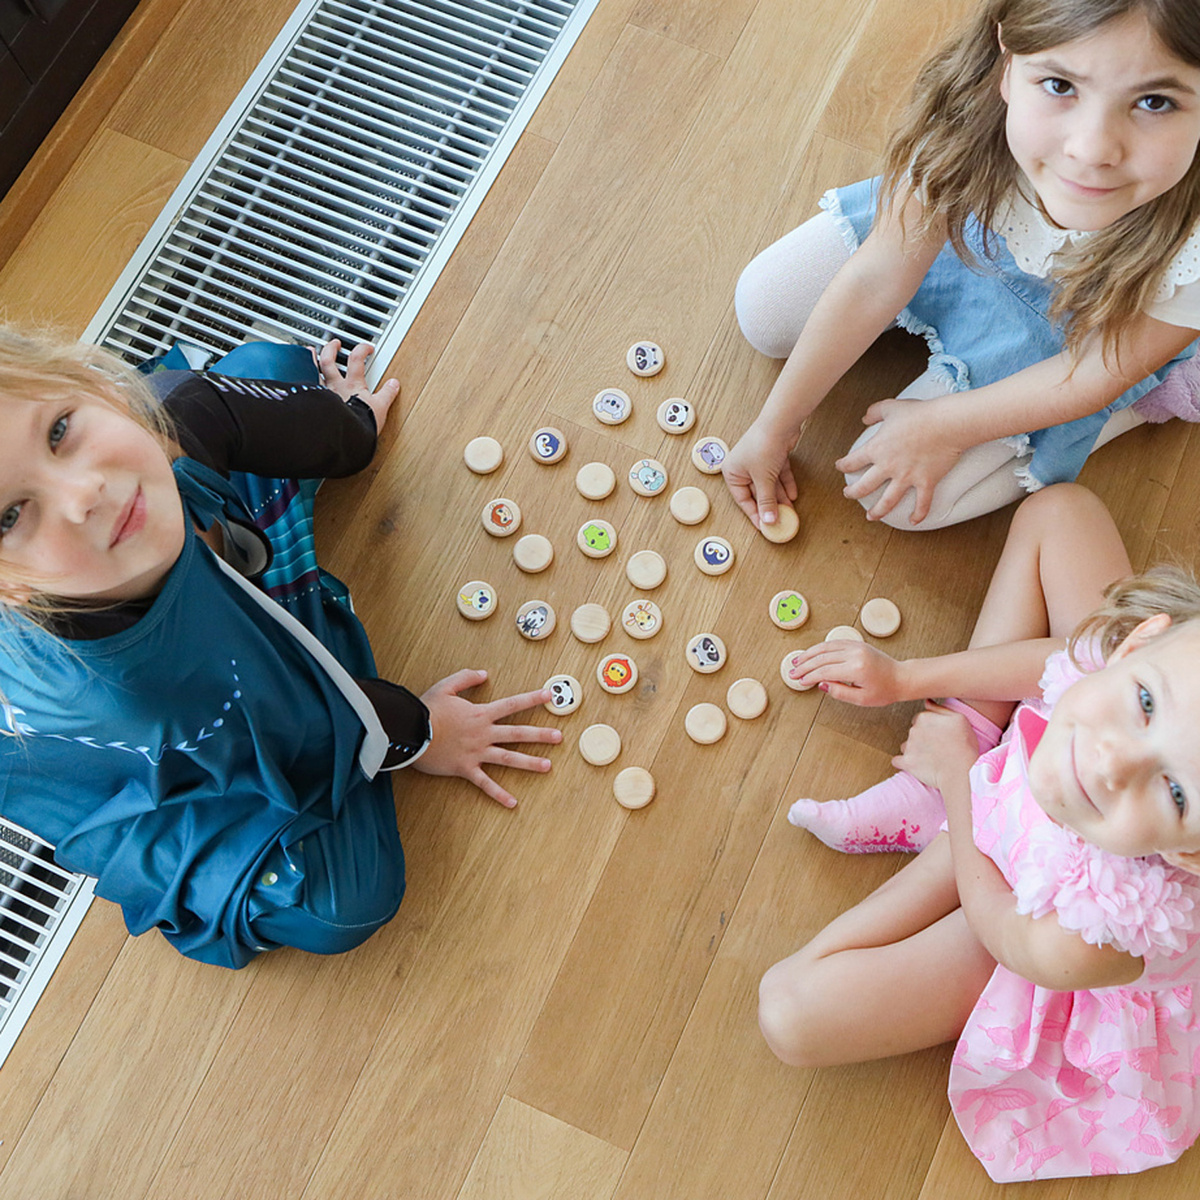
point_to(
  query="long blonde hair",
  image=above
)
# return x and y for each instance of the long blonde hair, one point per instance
(951, 149)
(1128, 602)
(50, 368)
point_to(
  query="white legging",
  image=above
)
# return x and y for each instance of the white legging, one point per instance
(775, 295)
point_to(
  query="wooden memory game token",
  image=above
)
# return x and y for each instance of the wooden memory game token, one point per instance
(786, 526)
(533, 553)
(591, 623)
(476, 600)
(714, 555)
(483, 455)
(595, 480)
(535, 620)
(747, 699)
(708, 455)
(880, 617)
(617, 673)
(596, 538)
(676, 416)
(565, 694)
(611, 406)
(599, 745)
(645, 358)
(548, 445)
(646, 569)
(788, 609)
(705, 724)
(642, 619)
(633, 787)
(501, 517)
(706, 653)
(689, 505)
(648, 477)
(843, 633)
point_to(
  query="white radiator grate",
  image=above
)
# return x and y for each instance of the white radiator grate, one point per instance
(335, 189)
(41, 906)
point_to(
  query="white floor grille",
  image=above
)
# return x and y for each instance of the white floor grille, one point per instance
(41, 906)
(334, 190)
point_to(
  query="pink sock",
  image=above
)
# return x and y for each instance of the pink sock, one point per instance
(901, 813)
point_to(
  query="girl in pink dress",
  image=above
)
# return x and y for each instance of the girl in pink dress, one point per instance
(1053, 926)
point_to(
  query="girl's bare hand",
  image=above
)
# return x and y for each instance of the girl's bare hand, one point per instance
(354, 381)
(941, 746)
(468, 736)
(852, 672)
(909, 449)
(759, 474)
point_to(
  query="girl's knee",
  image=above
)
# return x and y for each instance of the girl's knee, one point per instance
(764, 320)
(1048, 507)
(786, 1015)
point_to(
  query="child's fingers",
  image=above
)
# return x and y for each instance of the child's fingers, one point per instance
(498, 756)
(460, 681)
(490, 788)
(507, 706)
(547, 735)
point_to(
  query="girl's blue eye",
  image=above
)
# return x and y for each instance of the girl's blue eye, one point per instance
(1177, 796)
(1145, 701)
(9, 518)
(1156, 104)
(58, 431)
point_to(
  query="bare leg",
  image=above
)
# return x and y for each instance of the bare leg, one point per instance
(898, 972)
(1063, 550)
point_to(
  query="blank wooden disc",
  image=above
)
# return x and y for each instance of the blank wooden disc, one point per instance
(705, 724)
(591, 623)
(483, 455)
(533, 553)
(785, 528)
(599, 745)
(646, 569)
(880, 617)
(633, 787)
(747, 699)
(689, 505)
(843, 633)
(595, 480)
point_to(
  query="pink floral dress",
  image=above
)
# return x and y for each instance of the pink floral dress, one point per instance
(1103, 1082)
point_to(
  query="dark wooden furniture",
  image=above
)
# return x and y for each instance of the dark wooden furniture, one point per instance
(47, 49)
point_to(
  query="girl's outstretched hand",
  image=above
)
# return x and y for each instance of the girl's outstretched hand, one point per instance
(354, 381)
(468, 736)
(759, 474)
(852, 672)
(909, 449)
(941, 747)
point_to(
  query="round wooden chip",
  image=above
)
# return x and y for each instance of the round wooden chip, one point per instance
(633, 787)
(599, 745)
(689, 505)
(705, 724)
(533, 553)
(483, 455)
(880, 617)
(595, 480)
(747, 699)
(591, 623)
(785, 528)
(646, 569)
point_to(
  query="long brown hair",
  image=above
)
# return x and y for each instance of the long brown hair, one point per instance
(951, 149)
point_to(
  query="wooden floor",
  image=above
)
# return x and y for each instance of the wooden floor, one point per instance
(565, 1005)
